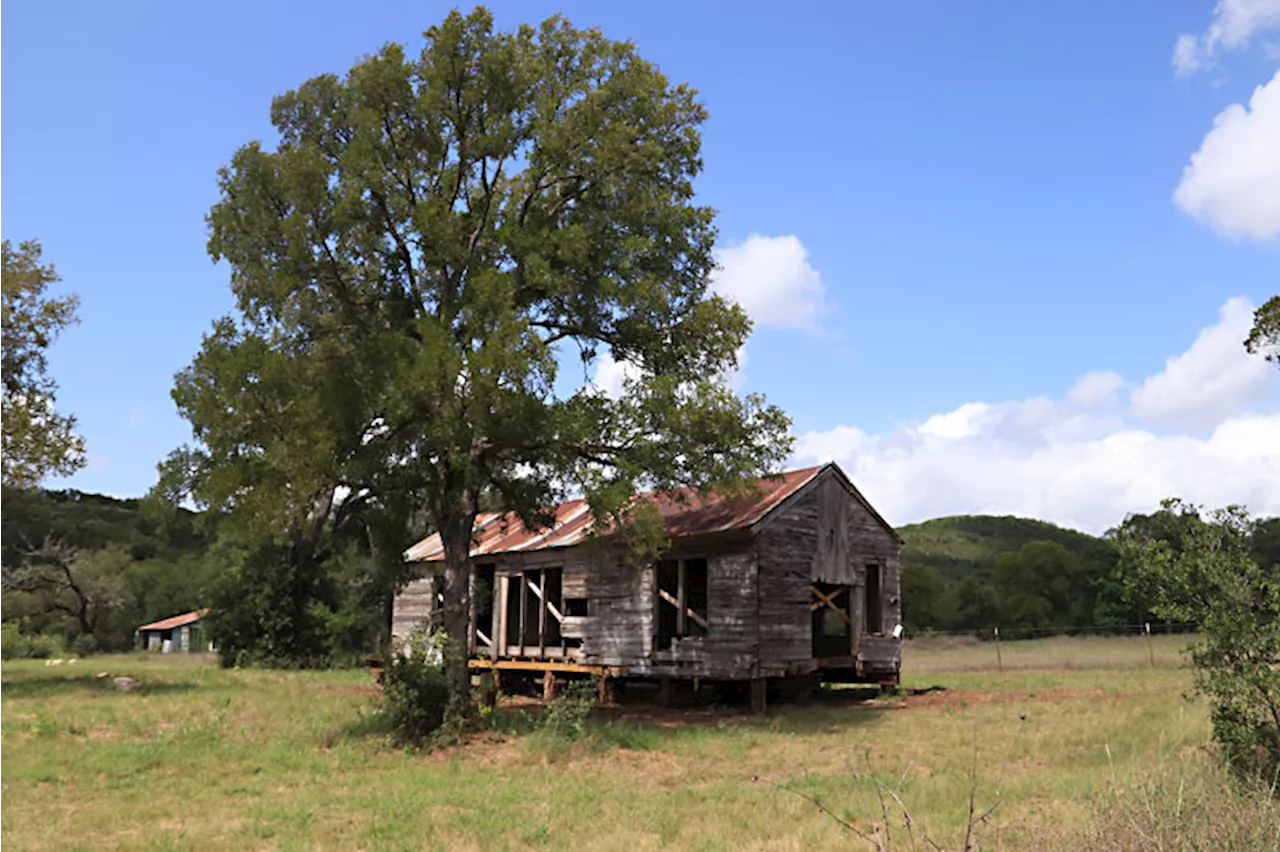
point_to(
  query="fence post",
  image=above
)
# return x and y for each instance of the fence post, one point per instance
(999, 660)
(1146, 626)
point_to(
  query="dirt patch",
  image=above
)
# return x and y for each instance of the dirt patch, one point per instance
(964, 697)
(369, 691)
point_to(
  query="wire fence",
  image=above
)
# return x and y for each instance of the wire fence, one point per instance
(1013, 634)
(1150, 644)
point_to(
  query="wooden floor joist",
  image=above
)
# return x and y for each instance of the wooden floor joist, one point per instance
(536, 666)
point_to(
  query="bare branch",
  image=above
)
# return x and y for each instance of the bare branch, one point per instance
(844, 823)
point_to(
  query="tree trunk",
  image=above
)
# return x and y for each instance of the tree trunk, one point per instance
(456, 538)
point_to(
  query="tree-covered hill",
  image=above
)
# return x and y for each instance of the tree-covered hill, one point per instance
(88, 569)
(975, 572)
(94, 521)
(962, 545)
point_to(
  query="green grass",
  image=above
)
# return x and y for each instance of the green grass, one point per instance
(225, 759)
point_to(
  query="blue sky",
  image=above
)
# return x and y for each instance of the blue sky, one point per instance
(978, 200)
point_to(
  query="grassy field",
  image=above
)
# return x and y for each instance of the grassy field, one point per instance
(1071, 732)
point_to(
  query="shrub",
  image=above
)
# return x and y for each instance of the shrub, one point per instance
(10, 638)
(84, 645)
(415, 693)
(566, 715)
(1207, 574)
(14, 645)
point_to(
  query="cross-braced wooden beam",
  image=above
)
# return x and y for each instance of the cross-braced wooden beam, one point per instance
(669, 598)
(828, 600)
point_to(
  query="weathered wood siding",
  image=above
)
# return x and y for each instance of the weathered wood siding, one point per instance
(733, 639)
(411, 607)
(759, 594)
(787, 549)
(823, 535)
(618, 628)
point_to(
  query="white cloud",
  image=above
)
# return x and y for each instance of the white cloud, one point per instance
(1234, 23)
(1095, 388)
(1074, 461)
(1212, 380)
(611, 376)
(1233, 182)
(772, 279)
(966, 421)
(1186, 54)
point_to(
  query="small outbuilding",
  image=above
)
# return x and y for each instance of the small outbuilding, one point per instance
(178, 633)
(793, 584)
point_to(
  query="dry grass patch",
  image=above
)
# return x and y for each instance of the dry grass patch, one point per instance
(247, 759)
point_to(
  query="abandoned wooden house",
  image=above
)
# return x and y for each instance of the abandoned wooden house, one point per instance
(177, 633)
(796, 583)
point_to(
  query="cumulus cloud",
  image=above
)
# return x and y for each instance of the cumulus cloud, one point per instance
(772, 279)
(1232, 183)
(1095, 388)
(1077, 460)
(1234, 23)
(1212, 380)
(611, 376)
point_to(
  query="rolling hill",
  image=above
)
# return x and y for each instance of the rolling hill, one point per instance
(963, 545)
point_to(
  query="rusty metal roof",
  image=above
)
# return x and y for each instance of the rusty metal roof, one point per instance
(685, 513)
(175, 620)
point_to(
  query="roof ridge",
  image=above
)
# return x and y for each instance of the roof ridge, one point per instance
(703, 514)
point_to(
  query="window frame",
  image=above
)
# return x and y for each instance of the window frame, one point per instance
(690, 623)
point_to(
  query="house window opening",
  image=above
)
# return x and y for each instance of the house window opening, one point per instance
(553, 606)
(683, 600)
(535, 610)
(483, 596)
(530, 628)
(874, 603)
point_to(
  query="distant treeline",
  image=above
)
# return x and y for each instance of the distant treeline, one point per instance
(975, 572)
(82, 571)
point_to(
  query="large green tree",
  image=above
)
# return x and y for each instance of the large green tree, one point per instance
(37, 440)
(1200, 567)
(427, 266)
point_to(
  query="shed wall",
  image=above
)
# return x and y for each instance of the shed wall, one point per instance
(824, 535)
(411, 607)
(759, 593)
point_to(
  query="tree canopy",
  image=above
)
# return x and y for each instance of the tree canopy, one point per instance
(37, 440)
(1265, 336)
(1202, 567)
(427, 267)
(87, 569)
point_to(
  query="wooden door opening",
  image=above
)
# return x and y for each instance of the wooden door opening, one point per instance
(832, 622)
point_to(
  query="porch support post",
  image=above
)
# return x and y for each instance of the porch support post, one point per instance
(759, 695)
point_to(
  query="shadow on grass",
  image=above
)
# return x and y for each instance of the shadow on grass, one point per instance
(369, 724)
(826, 712)
(639, 724)
(47, 687)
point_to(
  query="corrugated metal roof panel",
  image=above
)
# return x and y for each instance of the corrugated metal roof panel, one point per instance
(685, 513)
(175, 621)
